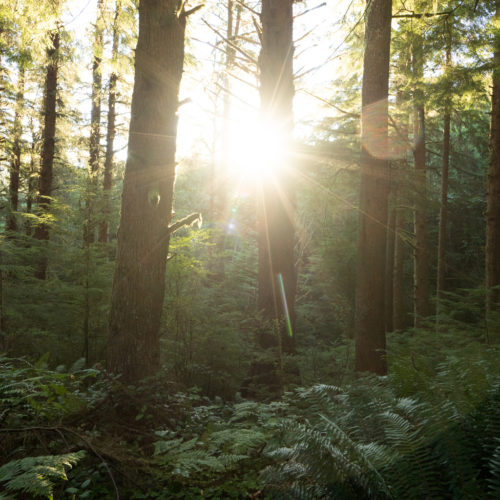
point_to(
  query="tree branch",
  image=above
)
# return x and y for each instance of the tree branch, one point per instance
(310, 10)
(425, 14)
(234, 46)
(186, 221)
(186, 13)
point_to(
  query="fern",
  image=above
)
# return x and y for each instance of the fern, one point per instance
(37, 475)
(363, 441)
(494, 470)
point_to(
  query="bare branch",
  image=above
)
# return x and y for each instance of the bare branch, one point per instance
(310, 10)
(348, 113)
(425, 14)
(234, 46)
(186, 221)
(253, 11)
(258, 28)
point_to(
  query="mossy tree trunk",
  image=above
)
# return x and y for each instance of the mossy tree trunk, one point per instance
(95, 128)
(15, 165)
(110, 132)
(48, 147)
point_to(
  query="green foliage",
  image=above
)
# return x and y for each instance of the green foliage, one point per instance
(207, 320)
(430, 429)
(31, 393)
(217, 451)
(364, 440)
(37, 475)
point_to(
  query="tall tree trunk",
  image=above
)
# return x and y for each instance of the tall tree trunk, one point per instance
(95, 128)
(15, 167)
(374, 191)
(443, 212)
(110, 133)
(233, 24)
(48, 147)
(2, 108)
(93, 171)
(389, 269)
(277, 279)
(276, 232)
(493, 197)
(398, 311)
(421, 254)
(400, 186)
(32, 177)
(147, 199)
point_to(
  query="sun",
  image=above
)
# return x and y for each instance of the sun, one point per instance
(258, 149)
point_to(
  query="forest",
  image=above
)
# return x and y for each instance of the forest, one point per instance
(249, 249)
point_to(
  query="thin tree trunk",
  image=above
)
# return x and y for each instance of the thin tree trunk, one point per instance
(493, 196)
(3, 333)
(48, 137)
(93, 171)
(398, 322)
(421, 254)
(400, 187)
(389, 269)
(213, 159)
(374, 191)
(139, 280)
(2, 109)
(233, 25)
(443, 212)
(32, 178)
(95, 128)
(109, 160)
(15, 168)
(110, 133)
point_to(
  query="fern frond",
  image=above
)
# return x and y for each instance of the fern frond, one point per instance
(38, 475)
(494, 473)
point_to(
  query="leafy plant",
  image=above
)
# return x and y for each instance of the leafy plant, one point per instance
(37, 475)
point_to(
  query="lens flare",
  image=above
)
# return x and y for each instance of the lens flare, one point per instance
(285, 306)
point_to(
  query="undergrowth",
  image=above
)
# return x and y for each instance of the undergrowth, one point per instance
(431, 429)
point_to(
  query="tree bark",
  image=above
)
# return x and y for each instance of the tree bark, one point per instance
(110, 134)
(389, 269)
(95, 129)
(32, 177)
(374, 191)
(493, 196)
(400, 187)
(443, 211)
(277, 279)
(222, 212)
(276, 231)
(15, 167)
(398, 311)
(421, 253)
(147, 199)
(48, 148)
